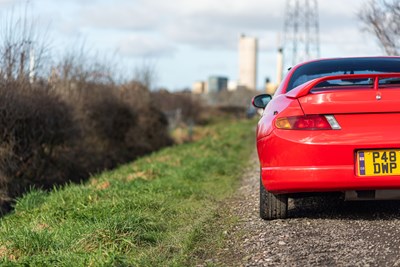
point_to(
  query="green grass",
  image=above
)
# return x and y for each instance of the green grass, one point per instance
(152, 212)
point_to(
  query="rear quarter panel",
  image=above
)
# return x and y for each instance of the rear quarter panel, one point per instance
(280, 106)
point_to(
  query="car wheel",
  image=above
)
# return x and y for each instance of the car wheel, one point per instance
(272, 206)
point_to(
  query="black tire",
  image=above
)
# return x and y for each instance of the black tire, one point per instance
(272, 206)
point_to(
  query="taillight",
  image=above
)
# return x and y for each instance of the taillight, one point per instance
(308, 122)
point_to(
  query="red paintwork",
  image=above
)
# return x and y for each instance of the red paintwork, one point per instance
(324, 160)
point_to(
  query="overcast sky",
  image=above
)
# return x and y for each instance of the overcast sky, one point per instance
(189, 40)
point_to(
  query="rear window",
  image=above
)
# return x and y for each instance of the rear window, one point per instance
(332, 67)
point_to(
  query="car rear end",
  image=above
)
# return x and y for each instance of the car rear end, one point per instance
(343, 138)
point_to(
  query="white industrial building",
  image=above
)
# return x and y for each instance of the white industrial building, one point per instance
(199, 87)
(248, 50)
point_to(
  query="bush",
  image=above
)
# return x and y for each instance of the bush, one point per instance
(34, 123)
(60, 127)
(116, 125)
(49, 138)
(189, 108)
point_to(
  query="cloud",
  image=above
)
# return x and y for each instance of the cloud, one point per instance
(209, 24)
(120, 16)
(203, 24)
(145, 46)
(219, 24)
(219, 29)
(7, 3)
(158, 27)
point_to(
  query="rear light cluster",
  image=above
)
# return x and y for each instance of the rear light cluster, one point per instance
(308, 122)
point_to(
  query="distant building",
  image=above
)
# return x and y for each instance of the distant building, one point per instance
(199, 88)
(232, 85)
(217, 84)
(270, 87)
(248, 49)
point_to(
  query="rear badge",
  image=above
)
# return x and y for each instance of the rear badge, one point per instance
(378, 97)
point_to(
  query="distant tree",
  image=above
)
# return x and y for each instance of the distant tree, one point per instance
(382, 18)
(23, 46)
(146, 74)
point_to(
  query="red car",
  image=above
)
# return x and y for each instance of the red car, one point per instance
(333, 125)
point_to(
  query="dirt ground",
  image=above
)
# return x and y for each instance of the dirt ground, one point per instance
(320, 231)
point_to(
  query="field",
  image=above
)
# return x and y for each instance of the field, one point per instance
(151, 212)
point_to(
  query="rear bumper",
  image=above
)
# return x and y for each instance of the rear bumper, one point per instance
(322, 179)
(321, 161)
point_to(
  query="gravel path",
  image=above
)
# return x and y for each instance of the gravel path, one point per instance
(319, 232)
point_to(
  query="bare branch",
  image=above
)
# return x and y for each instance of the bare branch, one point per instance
(382, 19)
(22, 47)
(146, 74)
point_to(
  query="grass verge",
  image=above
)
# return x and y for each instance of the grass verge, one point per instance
(152, 212)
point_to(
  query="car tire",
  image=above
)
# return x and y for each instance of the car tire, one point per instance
(272, 206)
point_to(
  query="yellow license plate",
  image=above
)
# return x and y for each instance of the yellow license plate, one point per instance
(378, 162)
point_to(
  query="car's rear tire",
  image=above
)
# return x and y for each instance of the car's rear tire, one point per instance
(272, 206)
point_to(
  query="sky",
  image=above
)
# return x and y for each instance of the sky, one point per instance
(189, 40)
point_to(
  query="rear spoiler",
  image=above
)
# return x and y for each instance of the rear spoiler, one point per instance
(305, 88)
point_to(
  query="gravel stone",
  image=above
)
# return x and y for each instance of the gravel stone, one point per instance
(320, 231)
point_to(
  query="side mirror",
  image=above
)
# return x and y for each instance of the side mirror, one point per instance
(261, 101)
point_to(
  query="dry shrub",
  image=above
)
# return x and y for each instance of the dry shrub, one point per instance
(116, 124)
(190, 107)
(231, 111)
(34, 123)
(50, 138)
(152, 131)
(110, 119)
(73, 122)
(57, 132)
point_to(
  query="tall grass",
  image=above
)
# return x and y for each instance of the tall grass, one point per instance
(147, 213)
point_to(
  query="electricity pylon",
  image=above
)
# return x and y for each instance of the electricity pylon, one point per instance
(301, 31)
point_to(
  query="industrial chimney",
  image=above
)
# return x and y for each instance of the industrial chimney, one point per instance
(248, 49)
(279, 66)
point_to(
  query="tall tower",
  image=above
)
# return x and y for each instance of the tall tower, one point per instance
(248, 48)
(301, 32)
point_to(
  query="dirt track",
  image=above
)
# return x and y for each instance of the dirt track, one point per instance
(319, 232)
